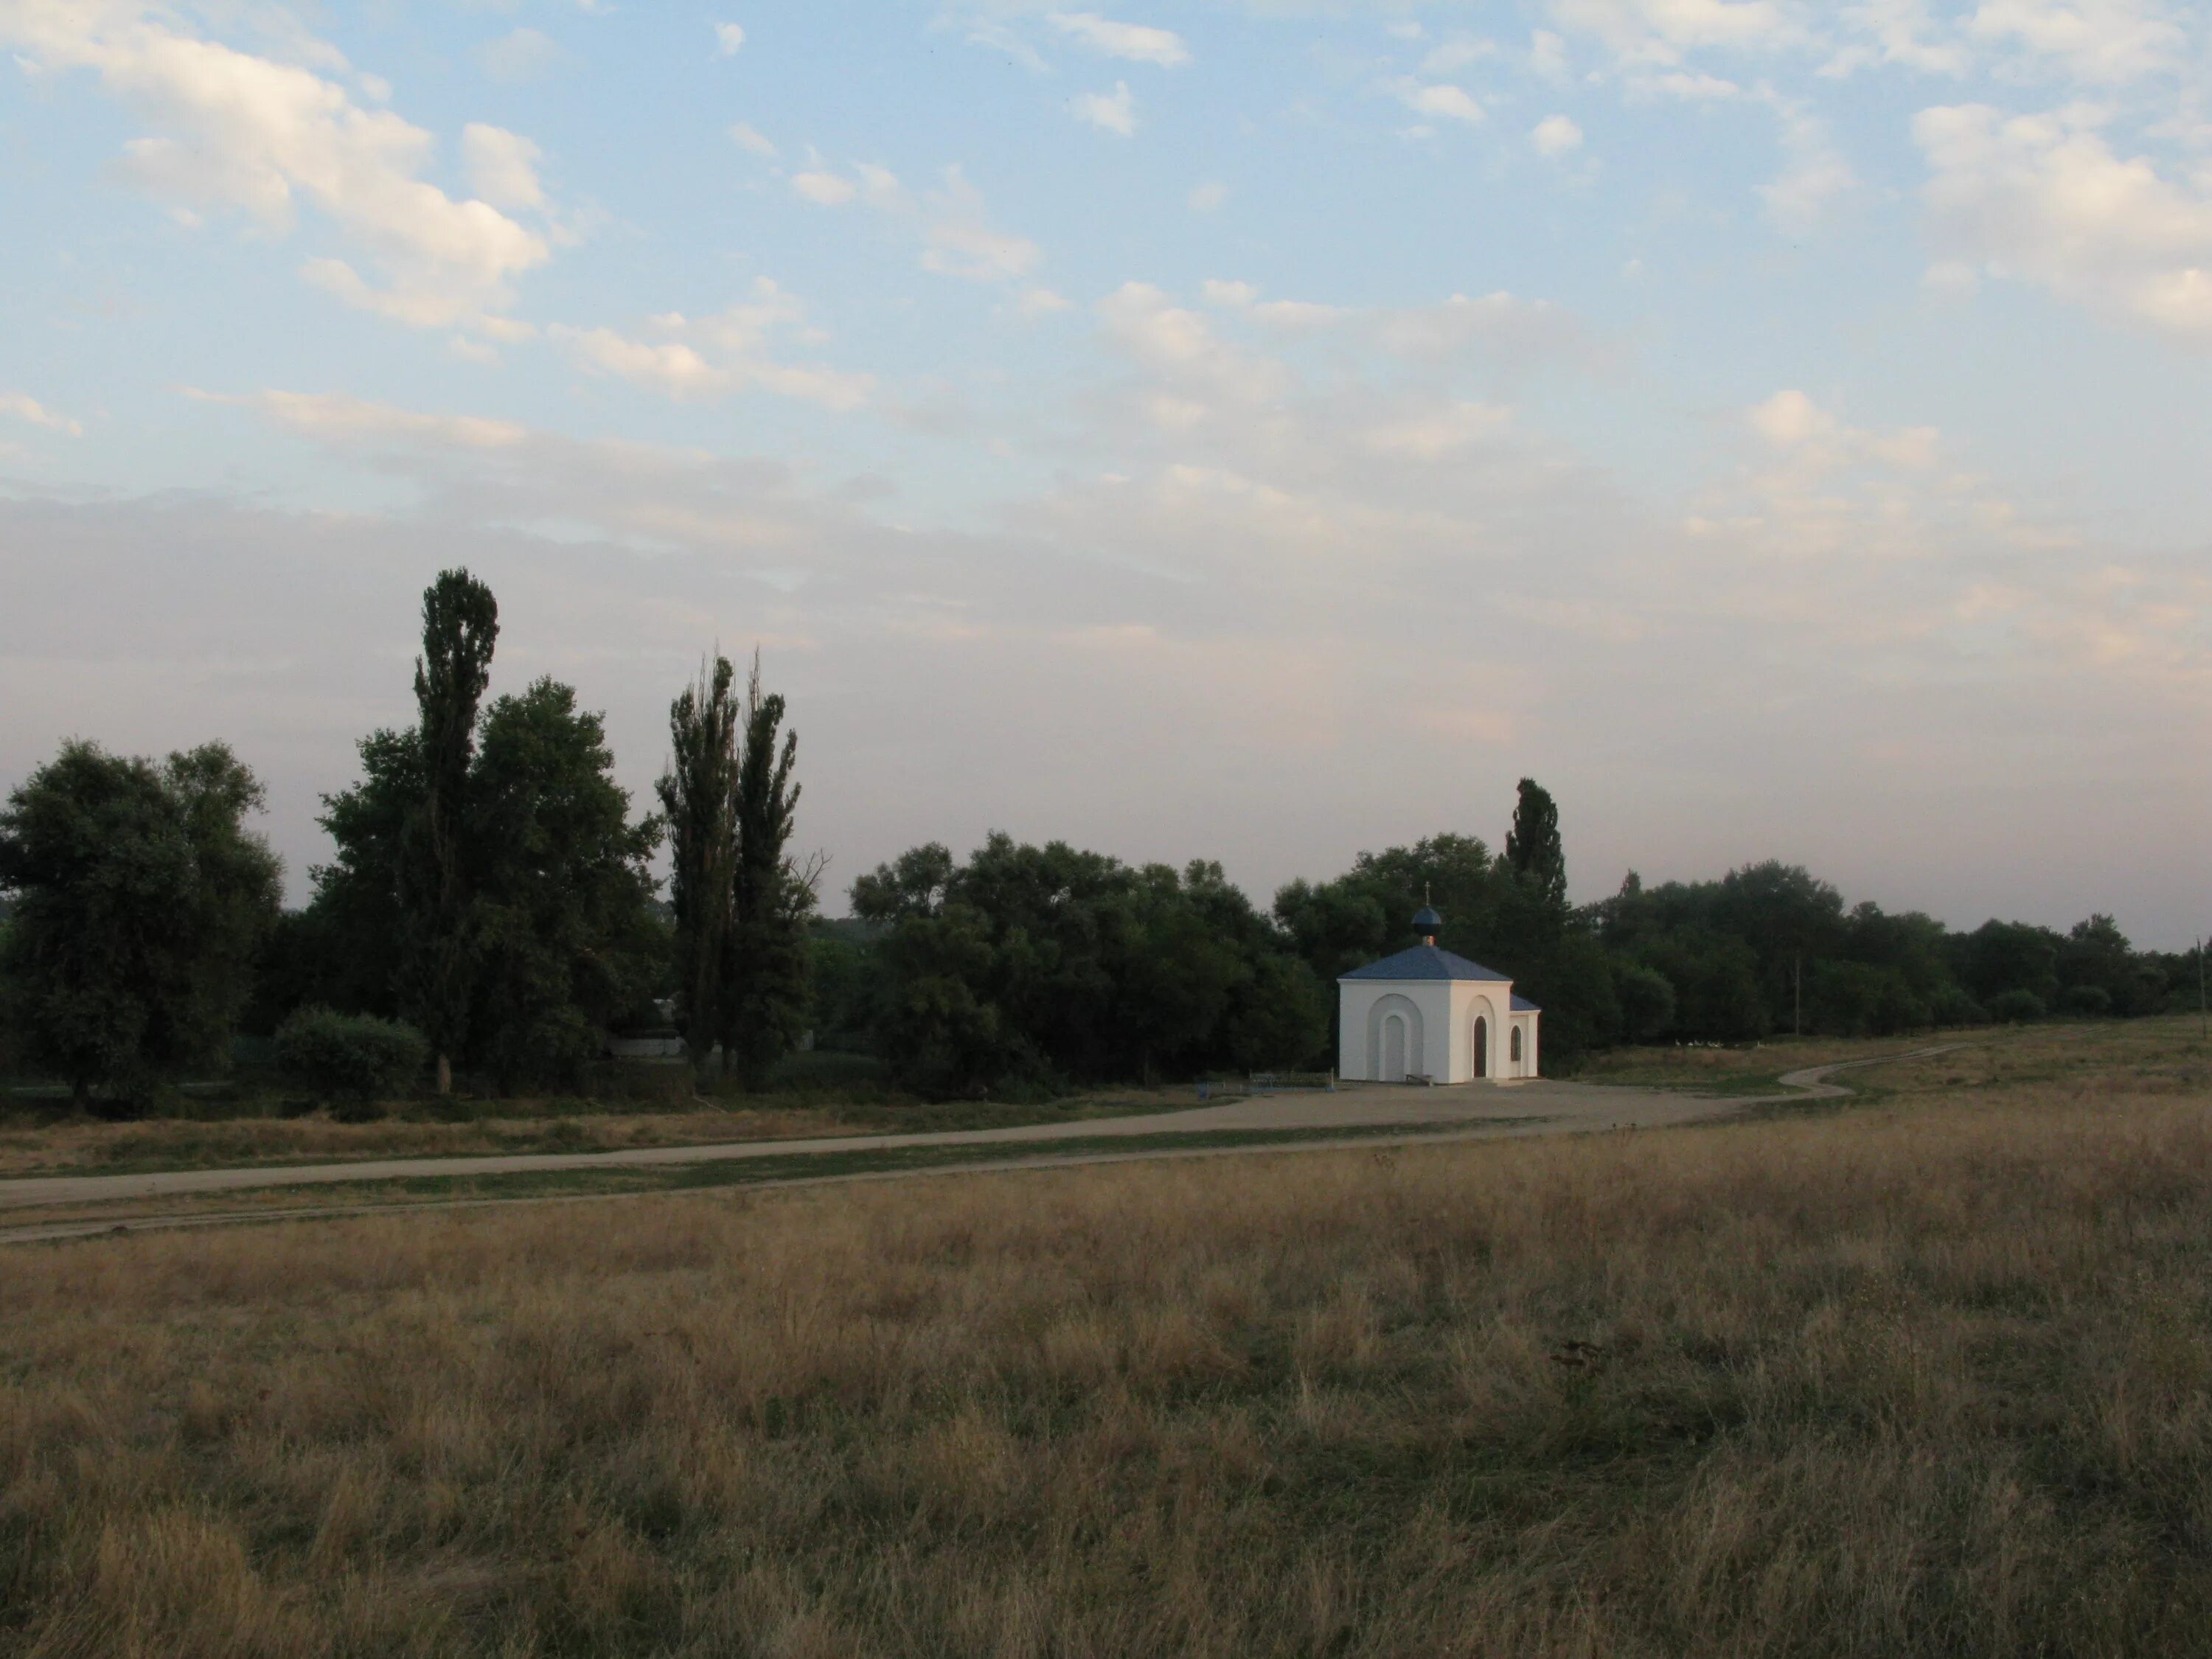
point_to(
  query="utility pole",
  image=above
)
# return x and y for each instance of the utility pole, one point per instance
(2203, 1020)
(1798, 1010)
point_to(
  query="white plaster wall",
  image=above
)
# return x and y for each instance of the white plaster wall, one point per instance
(1356, 999)
(1448, 1010)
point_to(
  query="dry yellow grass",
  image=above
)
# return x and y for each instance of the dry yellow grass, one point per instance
(85, 1147)
(38, 1145)
(1932, 1378)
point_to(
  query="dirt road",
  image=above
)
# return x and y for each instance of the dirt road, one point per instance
(1534, 1108)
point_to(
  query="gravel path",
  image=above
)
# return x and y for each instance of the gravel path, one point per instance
(1540, 1107)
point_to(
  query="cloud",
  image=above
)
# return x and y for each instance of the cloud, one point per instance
(18, 406)
(1206, 197)
(1499, 322)
(826, 188)
(1112, 111)
(1899, 32)
(523, 54)
(1661, 31)
(2108, 41)
(1131, 42)
(502, 166)
(746, 137)
(1454, 56)
(236, 130)
(671, 368)
(729, 38)
(1556, 135)
(951, 222)
(1444, 100)
(960, 240)
(1818, 177)
(2042, 198)
(702, 357)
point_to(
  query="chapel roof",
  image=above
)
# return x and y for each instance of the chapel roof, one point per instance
(1426, 962)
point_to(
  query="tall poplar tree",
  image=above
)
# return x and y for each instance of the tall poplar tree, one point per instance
(771, 897)
(460, 626)
(1533, 847)
(698, 797)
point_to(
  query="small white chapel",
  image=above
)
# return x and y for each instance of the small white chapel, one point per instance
(1427, 1016)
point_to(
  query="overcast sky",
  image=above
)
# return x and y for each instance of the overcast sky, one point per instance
(1252, 431)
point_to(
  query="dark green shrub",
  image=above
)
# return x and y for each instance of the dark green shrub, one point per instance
(1954, 1005)
(2085, 1001)
(349, 1061)
(2015, 1007)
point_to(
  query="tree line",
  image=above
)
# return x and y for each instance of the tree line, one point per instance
(490, 906)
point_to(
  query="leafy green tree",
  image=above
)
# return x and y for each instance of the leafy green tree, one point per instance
(1533, 847)
(141, 903)
(1646, 999)
(460, 626)
(557, 935)
(2009, 956)
(1030, 966)
(699, 800)
(563, 930)
(350, 948)
(772, 898)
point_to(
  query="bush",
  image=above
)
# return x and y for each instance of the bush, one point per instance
(1955, 1006)
(350, 1060)
(2087, 1001)
(2015, 1007)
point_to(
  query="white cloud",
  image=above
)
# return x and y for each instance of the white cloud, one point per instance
(21, 407)
(1788, 419)
(1197, 369)
(960, 240)
(729, 39)
(1112, 111)
(2098, 40)
(237, 130)
(1454, 56)
(502, 166)
(1135, 42)
(747, 137)
(1040, 301)
(1444, 100)
(669, 367)
(1439, 433)
(2041, 199)
(1661, 30)
(1206, 197)
(951, 221)
(1899, 32)
(523, 54)
(334, 418)
(708, 357)
(1500, 323)
(1220, 292)
(1556, 135)
(1818, 177)
(826, 188)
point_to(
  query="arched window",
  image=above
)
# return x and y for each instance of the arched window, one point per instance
(1517, 1045)
(1481, 1047)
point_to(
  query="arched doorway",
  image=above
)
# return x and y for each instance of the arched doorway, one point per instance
(1481, 1047)
(1394, 1049)
(1513, 1051)
(1394, 1040)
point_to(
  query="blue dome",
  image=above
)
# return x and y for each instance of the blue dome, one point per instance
(1426, 920)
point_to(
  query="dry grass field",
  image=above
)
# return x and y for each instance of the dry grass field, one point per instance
(48, 1144)
(1931, 1374)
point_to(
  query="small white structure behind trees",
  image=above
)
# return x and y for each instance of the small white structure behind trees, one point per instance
(1427, 1016)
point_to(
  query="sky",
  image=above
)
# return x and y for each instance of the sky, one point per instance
(1252, 431)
